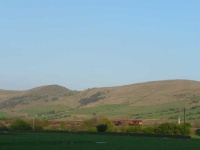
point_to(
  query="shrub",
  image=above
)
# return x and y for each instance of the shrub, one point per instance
(38, 124)
(38, 127)
(3, 128)
(102, 127)
(94, 122)
(91, 122)
(20, 125)
(54, 127)
(135, 129)
(45, 123)
(172, 128)
(63, 126)
(197, 132)
(187, 128)
(148, 130)
(91, 129)
(166, 128)
(120, 129)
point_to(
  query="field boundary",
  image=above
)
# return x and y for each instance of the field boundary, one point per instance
(103, 133)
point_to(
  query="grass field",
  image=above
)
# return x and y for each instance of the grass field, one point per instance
(119, 111)
(63, 141)
(3, 114)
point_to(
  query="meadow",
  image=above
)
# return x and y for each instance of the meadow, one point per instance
(61, 141)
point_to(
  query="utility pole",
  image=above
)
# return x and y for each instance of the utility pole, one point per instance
(33, 122)
(184, 123)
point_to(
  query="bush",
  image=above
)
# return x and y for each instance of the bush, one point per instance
(102, 127)
(166, 128)
(120, 129)
(3, 128)
(172, 128)
(187, 128)
(91, 129)
(91, 122)
(94, 122)
(135, 129)
(197, 132)
(63, 126)
(20, 125)
(38, 127)
(148, 130)
(45, 124)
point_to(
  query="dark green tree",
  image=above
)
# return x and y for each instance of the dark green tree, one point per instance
(102, 127)
(20, 125)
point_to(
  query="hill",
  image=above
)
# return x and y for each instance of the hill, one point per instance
(150, 100)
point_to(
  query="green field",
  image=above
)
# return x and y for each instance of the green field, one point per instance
(66, 141)
(119, 111)
(3, 114)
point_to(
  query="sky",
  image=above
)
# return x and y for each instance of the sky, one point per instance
(97, 43)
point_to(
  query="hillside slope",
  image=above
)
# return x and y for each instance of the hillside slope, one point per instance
(158, 99)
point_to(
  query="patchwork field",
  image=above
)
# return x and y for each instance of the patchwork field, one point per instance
(63, 141)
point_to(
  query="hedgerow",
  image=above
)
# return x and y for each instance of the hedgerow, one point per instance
(103, 124)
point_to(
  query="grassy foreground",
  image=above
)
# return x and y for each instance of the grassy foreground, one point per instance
(63, 141)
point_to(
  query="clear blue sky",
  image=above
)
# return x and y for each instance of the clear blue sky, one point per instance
(82, 44)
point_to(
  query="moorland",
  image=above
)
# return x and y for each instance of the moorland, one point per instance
(147, 101)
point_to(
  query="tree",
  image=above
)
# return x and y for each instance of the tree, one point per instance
(94, 122)
(102, 127)
(20, 125)
(172, 128)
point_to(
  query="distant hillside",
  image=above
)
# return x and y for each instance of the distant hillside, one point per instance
(48, 90)
(150, 100)
(4, 94)
(37, 96)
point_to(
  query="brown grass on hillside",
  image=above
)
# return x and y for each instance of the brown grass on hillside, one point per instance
(134, 95)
